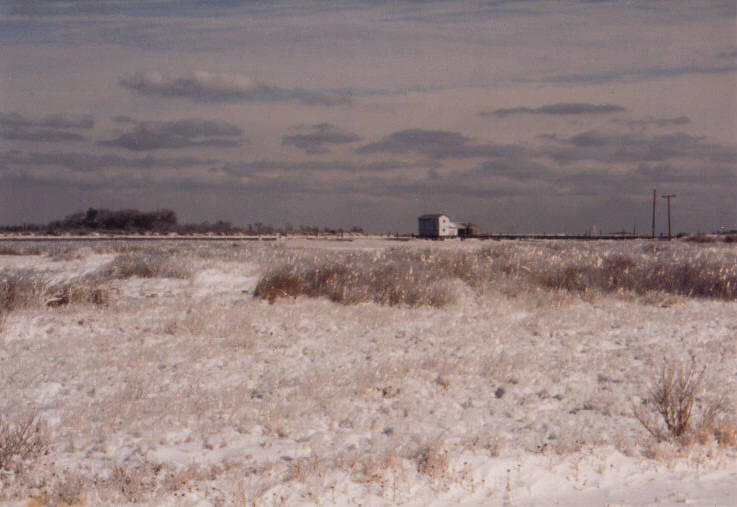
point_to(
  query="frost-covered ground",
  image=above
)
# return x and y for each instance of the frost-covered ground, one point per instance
(159, 378)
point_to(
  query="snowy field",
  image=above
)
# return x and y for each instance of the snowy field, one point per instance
(365, 372)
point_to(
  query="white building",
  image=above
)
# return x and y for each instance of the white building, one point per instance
(437, 226)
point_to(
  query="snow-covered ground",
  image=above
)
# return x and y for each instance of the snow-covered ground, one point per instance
(179, 387)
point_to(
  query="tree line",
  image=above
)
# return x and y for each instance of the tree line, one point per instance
(162, 221)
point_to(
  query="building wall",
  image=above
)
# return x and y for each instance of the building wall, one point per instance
(429, 227)
(446, 227)
(435, 227)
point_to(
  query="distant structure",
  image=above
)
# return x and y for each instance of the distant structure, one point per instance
(439, 225)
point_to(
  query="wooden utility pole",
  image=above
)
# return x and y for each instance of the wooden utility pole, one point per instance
(655, 199)
(669, 197)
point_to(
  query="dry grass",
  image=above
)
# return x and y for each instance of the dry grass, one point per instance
(24, 289)
(617, 273)
(416, 278)
(144, 264)
(397, 281)
(20, 289)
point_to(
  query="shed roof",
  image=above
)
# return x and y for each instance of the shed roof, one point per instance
(433, 215)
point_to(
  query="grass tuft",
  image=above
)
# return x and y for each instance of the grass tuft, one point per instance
(396, 281)
(144, 264)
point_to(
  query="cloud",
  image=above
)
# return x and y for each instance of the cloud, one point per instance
(730, 53)
(54, 8)
(55, 121)
(638, 74)
(664, 173)
(38, 135)
(153, 135)
(201, 85)
(268, 166)
(322, 134)
(514, 170)
(86, 162)
(560, 108)
(439, 144)
(658, 122)
(615, 147)
(121, 118)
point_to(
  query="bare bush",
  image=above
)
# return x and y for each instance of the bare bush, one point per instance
(673, 395)
(20, 443)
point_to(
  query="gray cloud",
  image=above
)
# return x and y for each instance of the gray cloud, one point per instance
(560, 108)
(703, 175)
(121, 118)
(86, 162)
(178, 134)
(54, 8)
(439, 144)
(658, 122)
(267, 166)
(647, 73)
(54, 121)
(38, 135)
(729, 53)
(515, 170)
(615, 147)
(319, 136)
(201, 85)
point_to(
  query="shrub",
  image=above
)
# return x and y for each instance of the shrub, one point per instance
(672, 396)
(20, 442)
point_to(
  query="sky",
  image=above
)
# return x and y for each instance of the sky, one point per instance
(520, 116)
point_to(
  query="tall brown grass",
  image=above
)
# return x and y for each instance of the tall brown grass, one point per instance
(418, 278)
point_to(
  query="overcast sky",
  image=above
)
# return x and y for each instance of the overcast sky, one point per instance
(517, 115)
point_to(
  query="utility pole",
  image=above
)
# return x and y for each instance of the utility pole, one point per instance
(669, 197)
(655, 200)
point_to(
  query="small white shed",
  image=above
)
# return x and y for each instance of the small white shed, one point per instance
(437, 226)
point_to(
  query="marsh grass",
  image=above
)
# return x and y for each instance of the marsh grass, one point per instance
(417, 278)
(617, 273)
(144, 264)
(394, 280)
(19, 289)
(26, 288)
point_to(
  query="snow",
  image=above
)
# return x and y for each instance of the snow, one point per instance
(191, 391)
